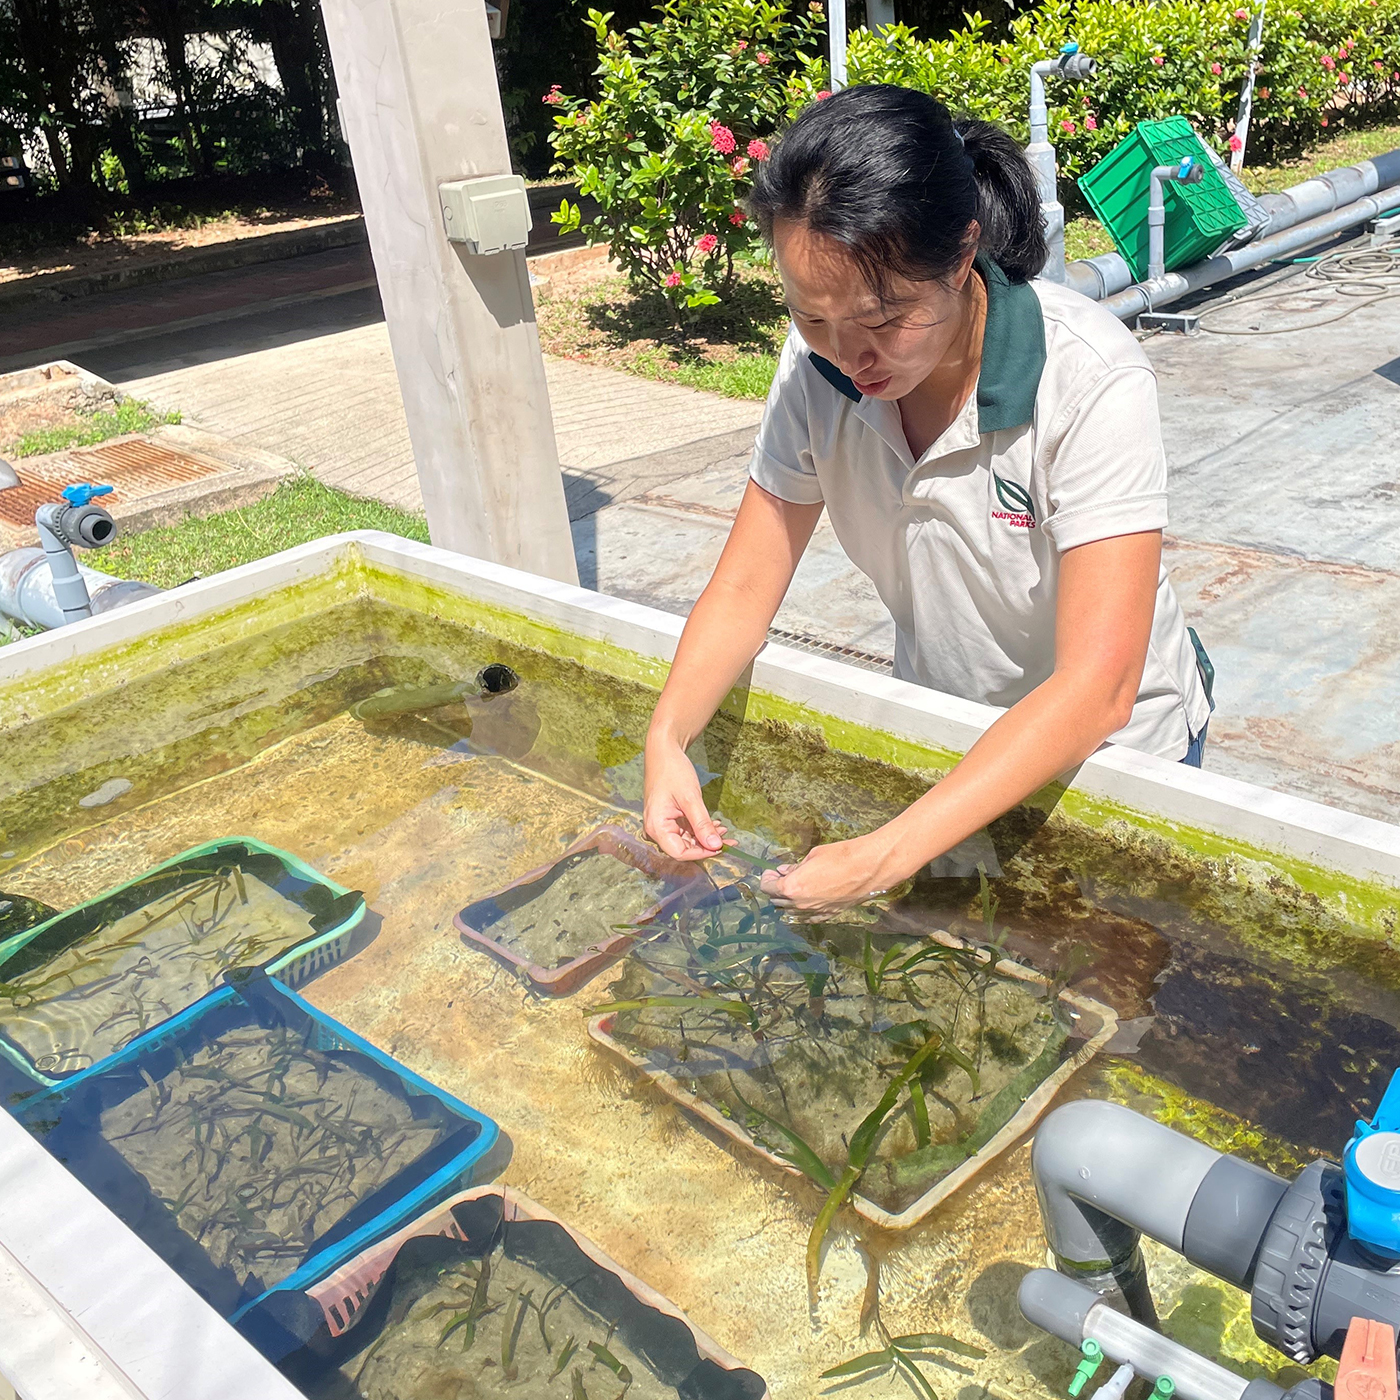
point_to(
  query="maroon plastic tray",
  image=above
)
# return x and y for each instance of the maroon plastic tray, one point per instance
(570, 976)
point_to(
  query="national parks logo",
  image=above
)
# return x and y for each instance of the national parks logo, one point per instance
(1019, 509)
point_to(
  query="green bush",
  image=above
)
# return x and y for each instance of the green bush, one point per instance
(1327, 63)
(686, 106)
(681, 98)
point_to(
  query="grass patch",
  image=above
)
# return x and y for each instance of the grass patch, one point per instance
(298, 511)
(88, 428)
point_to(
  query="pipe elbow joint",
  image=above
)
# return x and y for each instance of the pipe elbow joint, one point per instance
(1106, 1175)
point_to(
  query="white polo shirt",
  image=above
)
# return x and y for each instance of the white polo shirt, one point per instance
(1060, 446)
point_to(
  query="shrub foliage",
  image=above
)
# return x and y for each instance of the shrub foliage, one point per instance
(688, 102)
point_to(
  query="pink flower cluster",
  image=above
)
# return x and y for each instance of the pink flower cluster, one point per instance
(763, 58)
(1068, 126)
(722, 139)
(1091, 123)
(1215, 68)
(1236, 144)
(1328, 61)
(740, 166)
(758, 150)
(706, 244)
(1241, 14)
(673, 279)
(823, 94)
(1158, 59)
(738, 218)
(553, 97)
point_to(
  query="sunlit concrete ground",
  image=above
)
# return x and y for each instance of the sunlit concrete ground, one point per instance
(1284, 543)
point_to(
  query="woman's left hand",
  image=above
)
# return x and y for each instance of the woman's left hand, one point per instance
(831, 879)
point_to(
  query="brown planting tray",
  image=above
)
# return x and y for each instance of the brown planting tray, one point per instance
(600, 1029)
(683, 881)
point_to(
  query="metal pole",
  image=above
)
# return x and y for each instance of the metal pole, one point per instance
(1256, 42)
(836, 35)
(419, 107)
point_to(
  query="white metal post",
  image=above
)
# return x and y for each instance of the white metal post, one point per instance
(420, 106)
(1246, 108)
(836, 36)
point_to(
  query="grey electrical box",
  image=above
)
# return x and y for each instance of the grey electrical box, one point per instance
(489, 214)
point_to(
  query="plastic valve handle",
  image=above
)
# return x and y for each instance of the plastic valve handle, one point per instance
(1070, 47)
(83, 492)
(1366, 1370)
(1372, 1167)
(1093, 1359)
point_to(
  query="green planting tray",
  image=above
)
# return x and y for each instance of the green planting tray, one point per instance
(1199, 217)
(242, 881)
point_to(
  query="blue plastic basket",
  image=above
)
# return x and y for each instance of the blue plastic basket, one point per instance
(297, 966)
(66, 1119)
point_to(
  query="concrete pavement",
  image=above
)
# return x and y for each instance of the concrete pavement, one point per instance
(1284, 544)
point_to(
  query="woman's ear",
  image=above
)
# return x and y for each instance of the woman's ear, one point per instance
(971, 240)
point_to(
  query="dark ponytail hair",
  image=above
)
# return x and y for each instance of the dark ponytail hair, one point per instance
(886, 171)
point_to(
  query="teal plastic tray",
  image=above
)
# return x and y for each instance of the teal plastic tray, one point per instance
(334, 914)
(67, 1121)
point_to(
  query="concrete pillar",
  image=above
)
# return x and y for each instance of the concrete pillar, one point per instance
(419, 104)
(878, 13)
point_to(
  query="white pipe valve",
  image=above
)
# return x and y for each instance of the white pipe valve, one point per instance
(1188, 172)
(1073, 66)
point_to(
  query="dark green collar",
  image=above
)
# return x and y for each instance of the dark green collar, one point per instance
(1013, 351)
(1013, 354)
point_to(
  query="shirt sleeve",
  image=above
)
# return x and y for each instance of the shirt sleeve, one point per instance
(1107, 470)
(782, 454)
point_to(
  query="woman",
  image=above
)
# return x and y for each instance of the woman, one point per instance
(990, 453)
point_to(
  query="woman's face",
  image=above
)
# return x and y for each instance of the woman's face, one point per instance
(886, 347)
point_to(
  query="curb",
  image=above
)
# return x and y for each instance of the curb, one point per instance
(51, 287)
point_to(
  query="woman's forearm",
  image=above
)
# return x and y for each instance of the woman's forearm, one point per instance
(724, 632)
(729, 624)
(1057, 726)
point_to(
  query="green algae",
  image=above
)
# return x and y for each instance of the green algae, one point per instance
(772, 765)
(1145, 1093)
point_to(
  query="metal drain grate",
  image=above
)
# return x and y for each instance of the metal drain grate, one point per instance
(819, 646)
(135, 469)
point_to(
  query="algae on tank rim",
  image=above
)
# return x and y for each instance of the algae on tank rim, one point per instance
(489, 1326)
(136, 970)
(258, 1145)
(580, 904)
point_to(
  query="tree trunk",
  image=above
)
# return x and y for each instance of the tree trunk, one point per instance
(168, 19)
(294, 31)
(51, 60)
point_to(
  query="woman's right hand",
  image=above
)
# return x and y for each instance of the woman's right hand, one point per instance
(674, 815)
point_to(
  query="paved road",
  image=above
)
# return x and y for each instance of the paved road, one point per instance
(1284, 544)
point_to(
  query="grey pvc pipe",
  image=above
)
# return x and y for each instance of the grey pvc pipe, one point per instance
(1147, 296)
(1072, 1312)
(27, 591)
(1105, 1174)
(8, 476)
(1107, 274)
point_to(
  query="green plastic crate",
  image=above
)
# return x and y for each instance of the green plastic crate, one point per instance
(1199, 217)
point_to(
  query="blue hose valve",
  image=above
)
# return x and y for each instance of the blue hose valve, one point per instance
(82, 493)
(1071, 47)
(1372, 1166)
